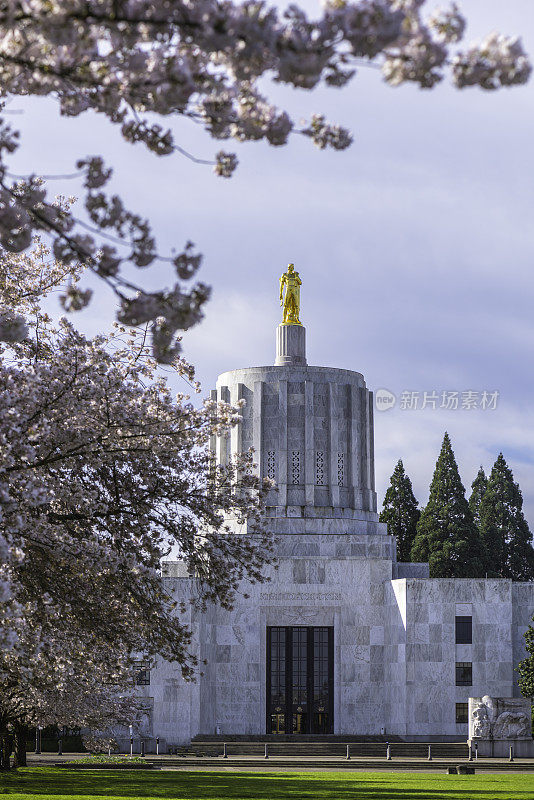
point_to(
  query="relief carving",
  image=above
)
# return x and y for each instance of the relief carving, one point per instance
(500, 718)
(511, 725)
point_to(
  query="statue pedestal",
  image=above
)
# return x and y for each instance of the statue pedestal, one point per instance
(500, 748)
(290, 345)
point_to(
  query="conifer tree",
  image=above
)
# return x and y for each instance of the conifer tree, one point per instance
(504, 530)
(478, 487)
(526, 667)
(447, 536)
(400, 511)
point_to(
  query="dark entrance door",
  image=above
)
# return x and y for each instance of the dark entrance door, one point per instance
(300, 680)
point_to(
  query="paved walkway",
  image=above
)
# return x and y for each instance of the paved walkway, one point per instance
(324, 763)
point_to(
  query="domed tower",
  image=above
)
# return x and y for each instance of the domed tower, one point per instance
(312, 433)
(318, 648)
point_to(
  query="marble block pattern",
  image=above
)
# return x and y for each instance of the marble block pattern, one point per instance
(395, 650)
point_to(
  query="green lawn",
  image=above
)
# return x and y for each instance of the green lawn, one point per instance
(45, 783)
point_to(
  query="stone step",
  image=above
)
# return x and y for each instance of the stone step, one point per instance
(357, 749)
(369, 765)
(304, 737)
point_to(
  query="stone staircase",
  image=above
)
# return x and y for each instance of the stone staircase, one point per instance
(319, 747)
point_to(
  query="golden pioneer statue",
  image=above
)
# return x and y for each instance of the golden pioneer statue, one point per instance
(291, 302)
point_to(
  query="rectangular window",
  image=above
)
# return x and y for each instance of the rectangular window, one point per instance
(461, 713)
(464, 630)
(464, 673)
(142, 673)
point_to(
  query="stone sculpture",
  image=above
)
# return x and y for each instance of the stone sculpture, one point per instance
(511, 725)
(480, 721)
(497, 722)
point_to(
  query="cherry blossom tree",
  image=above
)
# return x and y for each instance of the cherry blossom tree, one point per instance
(74, 682)
(102, 472)
(139, 62)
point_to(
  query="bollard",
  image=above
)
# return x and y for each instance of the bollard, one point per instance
(388, 753)
(430, 752)
(109, 751)
(60, 746)
(511, 753)
(225, 754)
(131, 745)
(348, 752)
(266, 750)
(157, 745)
(37, 741)
(470, 751)
(143, 749)
(476, 751)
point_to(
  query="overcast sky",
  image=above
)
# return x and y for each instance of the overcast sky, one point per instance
(415, 247)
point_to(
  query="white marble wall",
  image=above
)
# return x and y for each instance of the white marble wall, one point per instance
(394, 639)
(431, 652)
(312, 432)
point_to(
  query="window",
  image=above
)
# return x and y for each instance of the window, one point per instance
(464, 673)
(319, 467)
(461, 713)
(142, 673)
(271, 464)
(464, 630)
(295, 468)
(341, 469)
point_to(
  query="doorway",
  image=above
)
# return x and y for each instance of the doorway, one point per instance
(300, 680)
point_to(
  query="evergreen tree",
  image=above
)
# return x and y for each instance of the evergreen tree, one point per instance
(447, 536)
(400, 511)
(478, 487)
(526, 667)
(504, 530)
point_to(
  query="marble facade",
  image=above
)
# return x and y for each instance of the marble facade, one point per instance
(395, 651)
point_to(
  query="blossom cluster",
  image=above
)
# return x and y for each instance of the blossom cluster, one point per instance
(103, 471)
(137, 61)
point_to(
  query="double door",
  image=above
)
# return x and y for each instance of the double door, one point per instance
(300, 670)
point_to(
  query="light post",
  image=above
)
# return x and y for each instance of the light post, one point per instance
(62, 734)
(38, 730)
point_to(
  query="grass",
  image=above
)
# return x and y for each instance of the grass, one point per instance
(47, 783)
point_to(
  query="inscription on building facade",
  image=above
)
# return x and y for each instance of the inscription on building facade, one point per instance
(281, 598)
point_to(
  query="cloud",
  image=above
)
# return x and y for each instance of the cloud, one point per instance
(415, 246)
